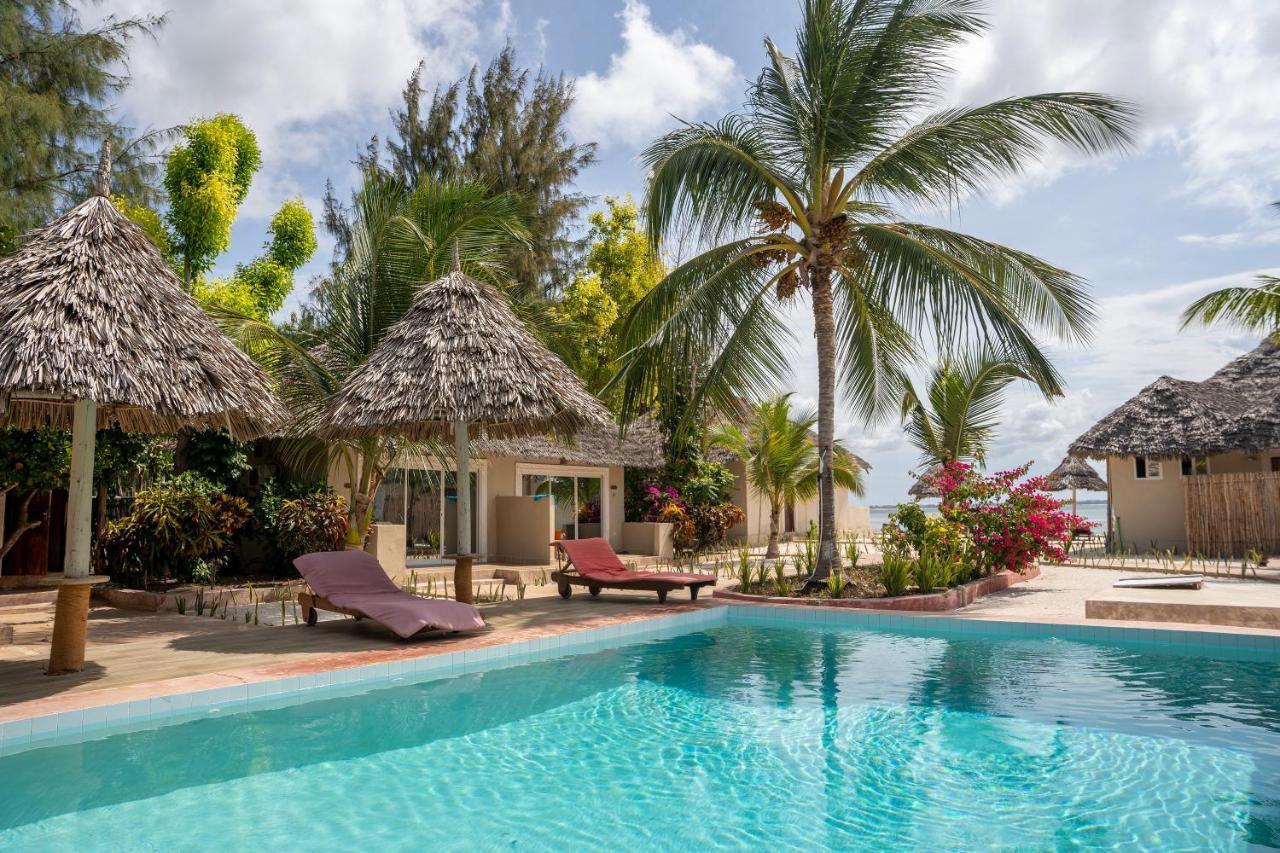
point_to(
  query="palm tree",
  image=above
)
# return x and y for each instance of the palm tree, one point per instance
(401, 237)
(957, 418)
(1254, 308)
(781, 457)
(794, 195)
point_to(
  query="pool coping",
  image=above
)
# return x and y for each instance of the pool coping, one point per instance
(80, 716)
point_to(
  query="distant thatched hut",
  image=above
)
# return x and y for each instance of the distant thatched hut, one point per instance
(1196, 465)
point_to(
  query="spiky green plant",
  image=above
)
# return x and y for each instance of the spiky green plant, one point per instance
(796, 197)
(780, 457)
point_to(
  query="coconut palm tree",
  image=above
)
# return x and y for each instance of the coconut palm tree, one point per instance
(794, 197)
(401, 237)
(957, 417)
(1255, 308)
(781, 457)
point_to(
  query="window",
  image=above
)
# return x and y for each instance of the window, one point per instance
(1193, 466)
(1146, 468)
(1275, 464)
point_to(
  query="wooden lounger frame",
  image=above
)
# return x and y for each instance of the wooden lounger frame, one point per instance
(310, 603)
(565, 581)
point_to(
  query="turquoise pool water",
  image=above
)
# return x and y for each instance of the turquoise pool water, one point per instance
(739, 736)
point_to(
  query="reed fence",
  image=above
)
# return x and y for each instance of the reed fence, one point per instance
(1231, 514)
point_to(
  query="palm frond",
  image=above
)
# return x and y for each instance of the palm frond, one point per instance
(959, 150)
(1255, 308)
(713, 175)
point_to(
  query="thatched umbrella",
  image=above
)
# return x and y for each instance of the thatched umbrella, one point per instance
(95, 331)
(1075, 474)
(460, 365)
(918, 489)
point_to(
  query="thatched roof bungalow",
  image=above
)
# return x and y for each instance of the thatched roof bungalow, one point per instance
(1196, 465)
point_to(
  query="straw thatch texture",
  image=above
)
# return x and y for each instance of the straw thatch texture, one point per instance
(461, 354)
(919, 489)
(1075, 474)
(641, 447)
(1236, 409)
(89, 310)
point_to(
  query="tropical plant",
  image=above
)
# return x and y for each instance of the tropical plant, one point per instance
(777, 446)
(180, 529)
(795, 197)
(315, 522)
(1255, 308)
(895, 573)
(1010, 522)
(400, 238)
(957, 417)
(207, 177)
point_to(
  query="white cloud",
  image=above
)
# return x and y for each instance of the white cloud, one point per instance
(1232, 239)
(656, 76)
(1199, 71)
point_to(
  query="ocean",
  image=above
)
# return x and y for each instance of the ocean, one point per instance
(1095, 511)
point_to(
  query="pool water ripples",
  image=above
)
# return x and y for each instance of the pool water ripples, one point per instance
(739, 736)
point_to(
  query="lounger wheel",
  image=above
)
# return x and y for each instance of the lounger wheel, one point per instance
(662, 596)
(312, 617)
(564, 589)
(594, 590)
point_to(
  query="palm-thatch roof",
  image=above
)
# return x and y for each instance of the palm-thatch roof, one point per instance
(1236, 409)
(89, 310)
(640, 447)
(1073, 474)
(919, 489)
(460, 354)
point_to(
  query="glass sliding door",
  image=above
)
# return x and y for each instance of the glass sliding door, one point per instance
(577, 502)
(423, 507)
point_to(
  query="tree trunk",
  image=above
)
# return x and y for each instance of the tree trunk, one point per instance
(24, 523)
(101, 523)
(824, 332)
(775, 509)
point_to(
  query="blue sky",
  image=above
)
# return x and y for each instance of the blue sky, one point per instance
(1183, 213)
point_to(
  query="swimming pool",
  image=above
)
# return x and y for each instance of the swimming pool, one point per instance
(752, 730)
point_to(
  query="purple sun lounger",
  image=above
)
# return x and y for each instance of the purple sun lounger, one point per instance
(352, 582)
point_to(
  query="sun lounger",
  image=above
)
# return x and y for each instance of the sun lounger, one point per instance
(1162, 582)
(353, 583)
(592, 563)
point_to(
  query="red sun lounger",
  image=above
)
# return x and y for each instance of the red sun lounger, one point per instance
(593, 564)
(352, 582)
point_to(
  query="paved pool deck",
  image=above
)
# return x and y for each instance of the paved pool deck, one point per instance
(133, 655)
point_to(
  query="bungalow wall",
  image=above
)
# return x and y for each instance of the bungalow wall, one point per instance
(755, 529)
(1152, 512)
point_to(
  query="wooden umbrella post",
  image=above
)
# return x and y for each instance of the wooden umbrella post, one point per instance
(71, 613)
(462, 585)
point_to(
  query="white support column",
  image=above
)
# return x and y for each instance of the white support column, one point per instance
(80, 490)
(463, 448)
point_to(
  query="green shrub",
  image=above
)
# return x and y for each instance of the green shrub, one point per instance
(895, 573)
(933, 571)
(294, 518)
(178, 530)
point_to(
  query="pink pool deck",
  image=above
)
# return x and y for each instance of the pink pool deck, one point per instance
(137, 656)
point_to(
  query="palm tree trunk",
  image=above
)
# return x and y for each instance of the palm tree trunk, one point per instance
(824, 332)
(775, 508)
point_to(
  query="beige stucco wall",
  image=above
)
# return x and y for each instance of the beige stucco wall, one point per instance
(1153, 512)
(755, 530)
(526, 531)
(651, 538)
(386, 542)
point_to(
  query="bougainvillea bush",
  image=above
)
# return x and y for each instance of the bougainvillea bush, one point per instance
(1011, 522)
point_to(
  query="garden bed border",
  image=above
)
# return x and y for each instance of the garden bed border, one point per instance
(934, 602)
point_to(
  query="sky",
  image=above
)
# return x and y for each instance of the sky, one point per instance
(1186, 211)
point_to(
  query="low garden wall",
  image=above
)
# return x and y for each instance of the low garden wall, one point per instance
(934, 602)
